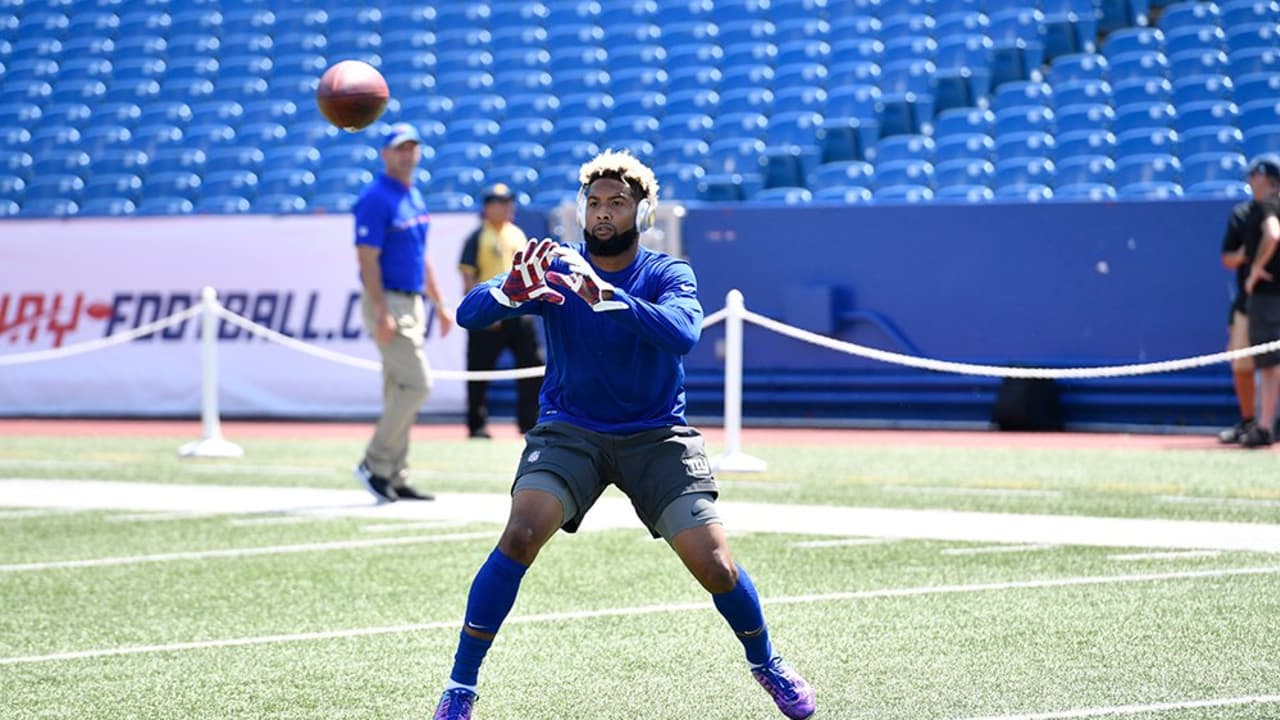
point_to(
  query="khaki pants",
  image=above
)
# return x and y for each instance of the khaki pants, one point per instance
(406, 383)
(1238, 338)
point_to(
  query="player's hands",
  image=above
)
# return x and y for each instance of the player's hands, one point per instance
(528, 277)
(444, 316)
(1255, 276)
(584, 282)
(386, 328)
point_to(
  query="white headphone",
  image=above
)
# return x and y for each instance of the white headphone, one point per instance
(645, 215)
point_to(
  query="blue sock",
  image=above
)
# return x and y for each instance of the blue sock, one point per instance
(741, 607)
(493, 592)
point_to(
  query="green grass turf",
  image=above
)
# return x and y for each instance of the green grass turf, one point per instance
(943, 655)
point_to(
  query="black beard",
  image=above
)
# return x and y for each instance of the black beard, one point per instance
(614, 246)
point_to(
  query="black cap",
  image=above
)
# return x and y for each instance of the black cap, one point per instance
(497, 191)
(1268, 165)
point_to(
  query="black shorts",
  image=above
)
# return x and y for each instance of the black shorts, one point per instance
(1264, 327)
(652, 468)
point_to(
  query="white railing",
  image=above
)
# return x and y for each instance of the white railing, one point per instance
(734, 314)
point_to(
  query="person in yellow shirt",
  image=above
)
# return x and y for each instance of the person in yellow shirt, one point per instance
(486, 253)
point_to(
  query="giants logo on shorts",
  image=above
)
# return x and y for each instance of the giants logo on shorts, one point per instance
(533, 456)
(698, 465)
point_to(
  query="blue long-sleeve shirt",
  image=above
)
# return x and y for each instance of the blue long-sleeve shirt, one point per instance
(620, 371)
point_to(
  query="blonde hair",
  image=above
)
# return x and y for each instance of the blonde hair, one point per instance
(624, 166)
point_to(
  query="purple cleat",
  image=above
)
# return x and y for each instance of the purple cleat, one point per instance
(793, 695)
(455, 704)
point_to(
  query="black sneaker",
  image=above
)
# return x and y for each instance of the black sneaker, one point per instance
(1256, 437)
(1234, 434)
(378, 486)
(480, 434)
(404, 492)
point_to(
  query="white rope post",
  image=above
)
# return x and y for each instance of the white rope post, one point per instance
(733, 459)
(212, 444)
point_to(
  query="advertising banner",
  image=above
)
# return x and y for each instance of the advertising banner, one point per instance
(65, 283)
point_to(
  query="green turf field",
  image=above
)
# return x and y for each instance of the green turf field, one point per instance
(608, 625)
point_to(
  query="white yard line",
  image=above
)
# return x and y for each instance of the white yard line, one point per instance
(275, 520)
(398, 526)
(614, 511)
(1235, 502)
(986, 549)
(241, 552)
(970, 491)
(1138, 709)
(839, 543)
(1181, 555)
(647, 610)
(34, 513)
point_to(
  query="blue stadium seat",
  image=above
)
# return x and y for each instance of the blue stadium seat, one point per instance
(842, 139)
(1141, 90)
(906, 76)
(62, 160)
(800, 28)
(463, 152)
(534, 104)
(224, 205)
(466, 179)
(1206, 167)
(678, 151)
(1025, 24)
(1133, 39)
(1247, 88)
(971, 171)
(783, 196)
(1206, 113)
(1146, 168)
(519, 152)
(692, 56)
(964, 193)
(906, 23)
(16, 163)
(1024, 173)
(1084, 116)
(1231, 189)
(1154, 190)
(1026, 118)
(1093, 192)
(964, 120)
(803, 53)
(746, 99)
(950, 24)
(1138, 64)
(1143, 115)
(698, 100)
(1146, 141)
(851, 173)
(1068, 33)
(899, 48)
(688, 126)
(1195, 62)
(46, 24)
(1024, 144)
(853, 72)
(178, 183)
(904, 172)
(48, 138)
(1194, 38)
(679, 181)
(1210, 139)
(127, 186)
(741, 155)
(903, 114)
(798, 128)
(129, 160)
(1262, 139)
(636, 54)
(1235, 13)
(586, 104)
(12, 187)
(1020, 94)
(108, 207)
(49, 207)
(1258, 113)
(902, 147)
(856, 101)
(677, 33)
(1253, 60)
(843, 194)
(963, 146)
(450, 201)
(722, 187)
(897, 194)
(1118, 14)
(1079, 66)
(1034, 192)
(342, 179)
(797, 97)
(749, 53)
(958, 88)
(1084, 170)
(561, 178)
(1187, 13)
(970, 50)
(571, 152)
(234, 158)
(1201, 88)
(297, 18)
(746, 75)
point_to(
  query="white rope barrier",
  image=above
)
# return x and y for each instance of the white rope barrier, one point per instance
(103, 343)
(959, 368)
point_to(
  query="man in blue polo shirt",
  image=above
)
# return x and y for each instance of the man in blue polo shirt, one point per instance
(391, 246)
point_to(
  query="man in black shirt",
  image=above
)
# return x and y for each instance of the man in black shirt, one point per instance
(1262, 236)
(1234, 258)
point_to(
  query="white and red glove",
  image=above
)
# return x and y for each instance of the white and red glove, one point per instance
(528, 277)
(583, 281)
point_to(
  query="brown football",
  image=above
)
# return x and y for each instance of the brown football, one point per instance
(352, 94)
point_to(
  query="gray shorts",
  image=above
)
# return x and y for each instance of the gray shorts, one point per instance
(1264, 327)
(654, 469)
